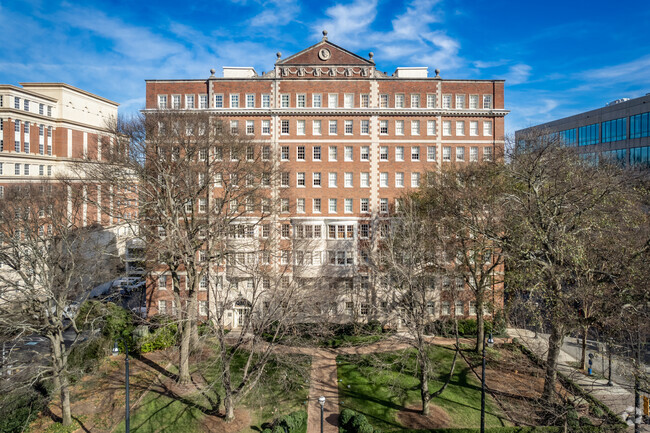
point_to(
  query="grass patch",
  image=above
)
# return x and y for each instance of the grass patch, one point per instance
(380, 385)
(163, 414)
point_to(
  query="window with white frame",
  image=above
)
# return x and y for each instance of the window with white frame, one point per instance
(364, 206)
(300, 153)
(218, 100)
(333, 127)
(431, 100)
(162, 282)
(332, 100)
(284, 127)
(347, 127)
(162, 306)
(446, 153)
(284, 100)
(487, 102)
(266, 153)
(332, 180)
(364, 100)
(203, 205)
(487, 154)
(399, 180)
(460, 153)
(284, 179)
(301, 100)
(348, 179)
(383, 153)
(300, 179)
(17, 169)
(431, 127)
(383, 127)
(284, 153)
(399, 153)
(250, 127)
(332, 205)
(473, 128)
(234, 100)
(348, 152)
(415, 153)
(365, 127)
(383, 101)
(473, 154)
(348, 100)
(399, 100)
(473, 102)
(415, 180)
(300, 205)
(460, 102)
(203, 101)
(284, 205)
(316, 100)
(458, 308)
(333, 153)
(399, 127)
(189, 102)
(365, 153)
(347, 205)
(364, 179)
(266, 127)
(445, 309)
(487, 128)
(415, 101)
(383, 205)
(446, 128)
(300, 127)
(460, 127)
(316, 179)
(383, 179)
(26, 169)
(266, 100)
(316, 153)
(162, 101)
(415, 127)
(431, 153)
(472, 308)
(316, 205)
(176, 102)
(316, 127)
(234, 126)
(250, 100)
(446, 101)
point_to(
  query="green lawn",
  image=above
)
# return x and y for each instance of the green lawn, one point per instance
(380, 385)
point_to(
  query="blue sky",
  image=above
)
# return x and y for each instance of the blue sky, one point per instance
(558, 57)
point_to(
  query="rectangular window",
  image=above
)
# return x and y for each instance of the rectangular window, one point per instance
(300, 205)
(473, 102)
(284, 205)
(460, 127)
(317, 100)
(333, 127)
(17, 126)
(250, 100)
(348, 205)
(41, 107)
(458, 308)
(26, 104)
(162, 101)
(266, 127)
(234, 127)
(431, 100)
(348, 127)
(487, 102)
(431, 127)
(316, 179)
(487, 154)
(300, 154)
(446, 101)
(431, 153)
(399, 127)
(364, 100)
(17, 169)
(189, 101)
(26, 170)
(399, 180)
(473, 128)
(365, 179)
(300, 179)
(17, 146)
(487, 128)
(383, 205)
(415, 101)
(333, 153)
(399, 100)
(301, 100)
(176, 102)
(460, 102)
(300, 127)
(266, 100)
(415, 127)
(614, 130)
(383, 101)
(383, 153)
(588, 135)
(332, 180)
(365, 153)
(399, 153)
(49, 170)
(316, 204)
(332, 205)
(365, 127)
(316, 153)
(365, 208)
(284, 100)
(348, 179)
(284, 153)
(446, 153)
(347, 153)
(473, 154)
(383, 179)
(218, 101)
(383, 127)
(203, 101)
(348, 100)
(639, 125)
(250, 127)
(415, 153)
(415, 180)
(332, 100)
(234, 100)
(284, 127)
(446, 128)
(460, 153)
(316, 126)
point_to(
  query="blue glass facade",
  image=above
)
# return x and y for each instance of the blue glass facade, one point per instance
(640, 156)
(568, 137)
(614, 130)
(640, 125)
(588, 135)
(619, 156)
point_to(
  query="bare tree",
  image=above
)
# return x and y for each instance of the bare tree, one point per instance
(50, 262)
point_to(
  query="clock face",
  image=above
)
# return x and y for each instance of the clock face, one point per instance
(324, 54)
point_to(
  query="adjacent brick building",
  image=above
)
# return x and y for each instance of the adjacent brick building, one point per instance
(350, 139)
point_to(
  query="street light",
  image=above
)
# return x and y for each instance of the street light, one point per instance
(490, 342)
(116, 351)
(321, 400)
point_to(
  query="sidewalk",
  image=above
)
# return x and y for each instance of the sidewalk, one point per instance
(618, 399)
(324, 382)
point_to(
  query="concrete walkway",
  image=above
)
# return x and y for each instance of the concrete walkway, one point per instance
(324, 382)
(618, 399)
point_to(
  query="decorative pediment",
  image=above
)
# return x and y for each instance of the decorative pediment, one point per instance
(325, 53)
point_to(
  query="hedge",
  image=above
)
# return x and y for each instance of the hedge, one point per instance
(295, 422)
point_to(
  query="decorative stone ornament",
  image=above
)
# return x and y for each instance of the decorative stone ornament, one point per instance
(324, 54)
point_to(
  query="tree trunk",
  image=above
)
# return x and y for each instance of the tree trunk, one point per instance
(583, 355)
(228, 402)
(58, 376)
(65, 402)
(424, 381)
(194, 339)
(480, 327)
(554, 348)
(184, 353)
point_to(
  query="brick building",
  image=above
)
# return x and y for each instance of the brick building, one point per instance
(350, 140)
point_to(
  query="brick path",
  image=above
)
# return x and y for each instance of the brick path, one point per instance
(324, 382)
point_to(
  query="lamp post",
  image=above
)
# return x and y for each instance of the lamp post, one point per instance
(321, 400)
(609, 356)
(116, 351)
(490, 342)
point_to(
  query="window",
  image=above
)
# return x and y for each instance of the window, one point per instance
(348, 179)
(266, 127)
(348, 205)
(431, 100)
(300, 205)
(284, 100)
(415, 180)
(431, 153)
(26, 169)
(472, 308)
(612, 130)
(203, 101)
(487, 102)
(347, 127)
(415, 127)
(399, 127)
(487, 154)
(41, 107)
(189, 101)
(284, 178)
(284, 205)
(301, 100)
(300, 179)
(399, 180)
(266, 153)
(300, 127)
(300, 154)
(284, 127)
(458, 308)
(383, 179)
(639, 125)
(487, 128)
(415, 153)
(17, 169)
(383, 127)
(365, 127)
(234, 100)
(234, 127)
(399, 100)
(348, 100)
(316, 126)
(473, 102)
(176, 102)
(316, 179)
(333, 127)
(266, 100)
(26, 104)
(332, 205)
(365, 153)
(460, 153)
(333, 153)
(17, 145)
(473, 128)
(399, 153)
(250, 127)
(365, 207)
(332, 180)
(446, 101)
(162, 101)
(316, 204)
(383, 205)
(460, 102)
(473, 154)
(446, 153)
(26, 144)
(316, 153)
(446, 128)
(250, 100)
(364, 100)
(445, 308)
(285, 231)
(203, 205)
(460, 127)
(365, 179)
(332, 100)
(316, 100)
(49, 111)
(383, 153)
(49, 170)
(347, 153)
(415, 101)
(218, 101)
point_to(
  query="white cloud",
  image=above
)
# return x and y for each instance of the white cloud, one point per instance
(349, 23)
(518, 74)
(625, 72)
(276, 13)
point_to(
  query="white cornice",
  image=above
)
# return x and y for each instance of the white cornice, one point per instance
(341, 112)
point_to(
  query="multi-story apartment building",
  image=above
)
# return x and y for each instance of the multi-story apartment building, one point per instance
(619, 131)
(350, 140)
